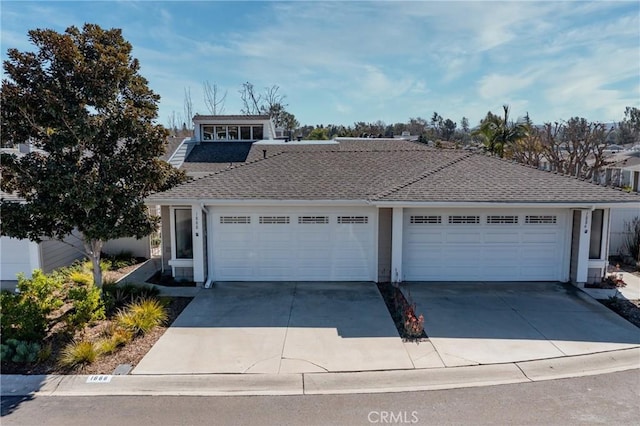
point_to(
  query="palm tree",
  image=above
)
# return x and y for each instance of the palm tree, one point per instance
(499, 132)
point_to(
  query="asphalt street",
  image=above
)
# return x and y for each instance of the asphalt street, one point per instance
(603, 399)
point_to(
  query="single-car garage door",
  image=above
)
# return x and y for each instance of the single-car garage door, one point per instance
(293, 245)
(475, 245)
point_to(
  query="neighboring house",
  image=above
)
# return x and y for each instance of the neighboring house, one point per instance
(23, 256)
(380, 210)
(622, 170)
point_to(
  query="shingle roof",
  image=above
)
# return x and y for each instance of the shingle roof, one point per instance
(172, 143)
(422, 175)
(479, 178)
(209, 154)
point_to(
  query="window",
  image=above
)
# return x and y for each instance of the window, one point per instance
(540, 219)
(207, 133)
(308, 220)
(464, 219)
(232, 132)
(595, 242)
(274, 220)
(353, 219)
(502, 219)
(235, 219)
(426, 219)
(221, 132)
(184, 238)
(258, 132)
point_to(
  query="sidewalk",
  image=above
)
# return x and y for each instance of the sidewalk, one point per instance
(323, 383)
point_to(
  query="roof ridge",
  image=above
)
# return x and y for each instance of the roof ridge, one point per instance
(419, 177)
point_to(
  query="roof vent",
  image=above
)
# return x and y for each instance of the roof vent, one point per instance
(264, 153)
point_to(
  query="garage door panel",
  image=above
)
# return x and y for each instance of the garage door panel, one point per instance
(540, 237)
(273, 237)
(463, 237)
(501, 237)
(300, 246)
(499, 246)
(320, 237)
(417, 234)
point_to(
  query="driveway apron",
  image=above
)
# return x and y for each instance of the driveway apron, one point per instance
(486, 323)
(280, 328)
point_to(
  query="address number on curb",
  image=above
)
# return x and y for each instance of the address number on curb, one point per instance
(99, 378)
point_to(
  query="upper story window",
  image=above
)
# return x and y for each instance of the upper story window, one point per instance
(231, 132)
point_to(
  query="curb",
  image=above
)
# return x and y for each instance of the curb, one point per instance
(322, 383)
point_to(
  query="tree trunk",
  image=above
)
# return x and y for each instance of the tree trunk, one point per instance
(93, 249)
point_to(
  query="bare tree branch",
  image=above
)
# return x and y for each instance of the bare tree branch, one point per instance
(188, 108)
(213, 102)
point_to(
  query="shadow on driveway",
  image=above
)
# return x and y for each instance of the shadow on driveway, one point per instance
(279, 328)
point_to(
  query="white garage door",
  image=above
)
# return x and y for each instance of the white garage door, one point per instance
(467, 245)
(17, 256)
(309, 245)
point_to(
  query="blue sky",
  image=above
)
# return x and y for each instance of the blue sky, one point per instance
(341, 62)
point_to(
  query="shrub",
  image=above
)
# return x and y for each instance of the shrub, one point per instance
(20, 351)
(43, 289)
(105, 265)
(21, 317)
(121, 336)
(26, 353)
(87, 304)
(45, 353)
(106, 346)
(117, 296)
(78, 353)
(6, 352)
(142, 316)
(114, 337)
(122, 260)
(80, 277)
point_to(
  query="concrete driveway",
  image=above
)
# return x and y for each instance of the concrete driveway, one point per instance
(487, 323)
(284, 328)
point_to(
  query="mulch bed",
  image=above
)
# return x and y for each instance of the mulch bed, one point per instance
(627, 309)
(389, 293)
(130, 354)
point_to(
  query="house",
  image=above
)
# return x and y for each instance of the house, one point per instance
(23, 256)
(381, 210)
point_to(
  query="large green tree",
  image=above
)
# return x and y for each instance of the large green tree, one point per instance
(78, 99)
(499, 132)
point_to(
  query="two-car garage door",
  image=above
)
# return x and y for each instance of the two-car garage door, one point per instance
(293, 245)
(324, 244)
(466, 245)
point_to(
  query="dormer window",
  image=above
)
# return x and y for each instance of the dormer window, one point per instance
(231, 132)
